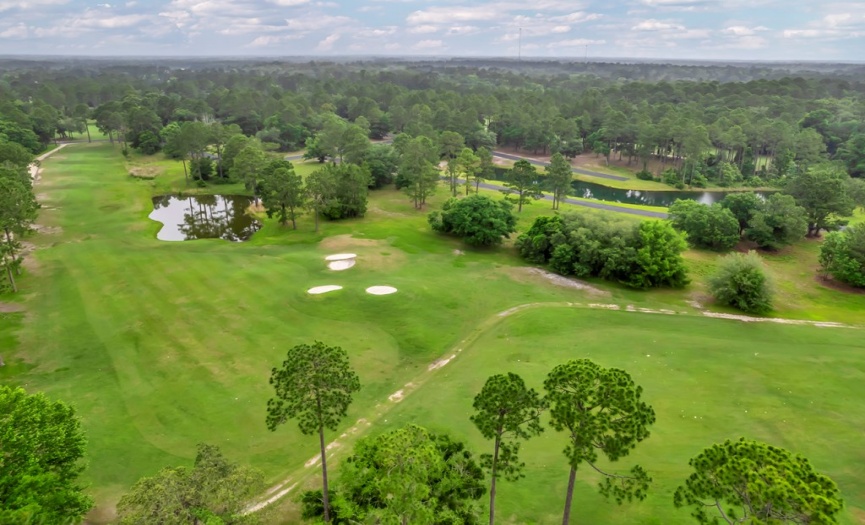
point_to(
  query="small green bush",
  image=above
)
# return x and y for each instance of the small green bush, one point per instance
(843, 255)
(645, 175)
(740, 281)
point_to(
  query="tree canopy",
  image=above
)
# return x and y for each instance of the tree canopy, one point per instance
(477, 219)
(751, 482)
(42, 446)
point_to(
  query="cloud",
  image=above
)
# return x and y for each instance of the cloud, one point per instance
(17, 31)
(657, 25)
(288, 3)
(743, 30)
(328, 42)
(462, 30)
(428, 44)
(848, 22)
(422, 29)
(576, 42)
(444, 15)
(266, 41)
(7, 5)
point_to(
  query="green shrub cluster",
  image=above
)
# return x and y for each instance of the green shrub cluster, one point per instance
(843, 255)
(740, 281)
(642, 255)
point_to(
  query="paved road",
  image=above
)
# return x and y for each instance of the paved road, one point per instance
(607, 176)
(589, 204)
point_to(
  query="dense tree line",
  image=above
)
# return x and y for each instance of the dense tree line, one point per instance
(18, 208)
(695, 132)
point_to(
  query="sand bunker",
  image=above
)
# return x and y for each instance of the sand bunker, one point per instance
(341, 257)
(341, 265)
(323, 289)
(381, 290)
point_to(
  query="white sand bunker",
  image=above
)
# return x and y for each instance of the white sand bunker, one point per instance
(341, 265)
(323, 289)
(381, 290)
(341, 257)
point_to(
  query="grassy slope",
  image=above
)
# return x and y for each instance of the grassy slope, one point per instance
(161, 345)
(758, 381)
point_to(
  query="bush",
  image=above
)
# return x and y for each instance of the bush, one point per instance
(478, 219)
(645, 175)
(740, 281)
(671, 177)
(843, 255)
(713, 227)
(643, 255)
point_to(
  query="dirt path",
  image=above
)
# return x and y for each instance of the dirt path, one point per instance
(35, 169)
(310, 468)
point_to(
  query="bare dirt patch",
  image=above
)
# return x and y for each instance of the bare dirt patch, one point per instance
(345, 242)
(829, 282)
(145, 172)
(526, 273)
(10, 308)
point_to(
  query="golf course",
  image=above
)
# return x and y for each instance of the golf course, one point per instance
(160, 345)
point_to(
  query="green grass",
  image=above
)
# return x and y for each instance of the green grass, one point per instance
(161, 345)
(708, 380)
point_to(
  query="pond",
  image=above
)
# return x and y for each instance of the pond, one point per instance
(590, 190)
(192, 217)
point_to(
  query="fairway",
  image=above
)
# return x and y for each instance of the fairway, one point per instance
(161, 345)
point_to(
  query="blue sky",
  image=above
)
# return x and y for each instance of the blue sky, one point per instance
(683, 29)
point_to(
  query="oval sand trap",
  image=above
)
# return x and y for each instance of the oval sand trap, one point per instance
(341, 265)
(381, 290)
(323, 289)
(340, 256)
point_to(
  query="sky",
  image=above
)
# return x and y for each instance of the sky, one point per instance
(674, 29)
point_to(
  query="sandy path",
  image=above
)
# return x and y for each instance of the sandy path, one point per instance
(285, 487)
(35, 169)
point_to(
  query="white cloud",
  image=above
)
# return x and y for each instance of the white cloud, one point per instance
(428, 44)
(462, 30)
(17, 31)
(6, 5)
(288, 3)
(328, 42)
(560, 29)
(376, 32)
(444, 15)
(743, 30)
(423, 29)
(266, 41)
(576, 42)
(577, 17)
(657, 25)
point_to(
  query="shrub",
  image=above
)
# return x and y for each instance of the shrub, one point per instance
(740, 281)
(843, 255)
(645, 175)
(643, 255)
(478, 219)
(713, 227)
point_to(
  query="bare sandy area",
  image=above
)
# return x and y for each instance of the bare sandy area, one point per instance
(341, 257)
(341, 265)
(381, 290)
(323, 289)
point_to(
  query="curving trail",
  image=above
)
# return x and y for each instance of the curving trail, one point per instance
(285, 487)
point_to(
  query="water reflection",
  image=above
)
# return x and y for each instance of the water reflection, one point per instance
(589, 190)
(204, 217)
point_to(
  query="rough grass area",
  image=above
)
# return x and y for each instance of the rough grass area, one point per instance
(161, 345)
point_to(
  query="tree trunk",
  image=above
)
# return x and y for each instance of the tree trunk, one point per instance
(11, 248)
(185, 173)
(325, 497)
(87, 127)
(566, 517)
(493, 481)
(477, 186)
(9, 273)
(315, 212)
